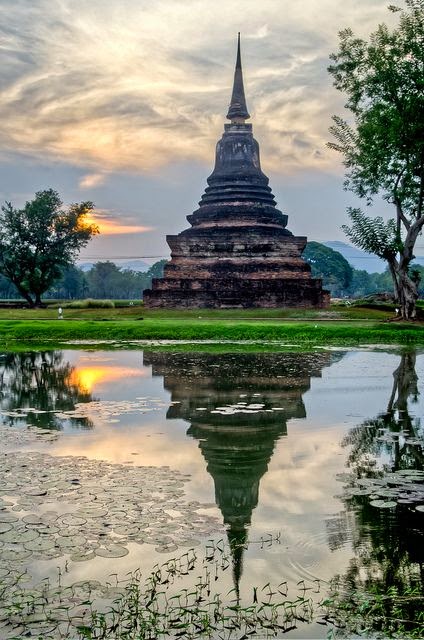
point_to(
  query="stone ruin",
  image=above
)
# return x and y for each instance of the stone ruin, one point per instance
(237, 252)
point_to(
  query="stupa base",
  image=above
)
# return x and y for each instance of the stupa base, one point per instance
(232, 293)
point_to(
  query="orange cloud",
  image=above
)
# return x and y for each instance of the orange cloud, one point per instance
(111, 226)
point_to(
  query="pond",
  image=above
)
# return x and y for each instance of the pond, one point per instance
(293, 478)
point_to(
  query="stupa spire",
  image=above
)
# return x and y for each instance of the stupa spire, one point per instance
(237, 111)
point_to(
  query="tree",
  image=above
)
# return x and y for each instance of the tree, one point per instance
(40, 240)
(384, 147)
(156, 270)
(104, 279)
(417, 273)
(72, 284)
(330, 265)
(7, 289)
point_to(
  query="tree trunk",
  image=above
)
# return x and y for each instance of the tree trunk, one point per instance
(38, 303)
(393, 266)
(24, 294)
(408, 294)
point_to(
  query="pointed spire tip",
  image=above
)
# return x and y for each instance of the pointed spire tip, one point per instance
(237, 111)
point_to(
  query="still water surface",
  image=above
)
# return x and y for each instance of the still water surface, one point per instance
(260, 441)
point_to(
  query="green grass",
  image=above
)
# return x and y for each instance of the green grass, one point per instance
(339, 325)
(306, 334)
(81, 311)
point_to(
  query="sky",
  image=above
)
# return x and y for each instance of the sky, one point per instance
(121, 102)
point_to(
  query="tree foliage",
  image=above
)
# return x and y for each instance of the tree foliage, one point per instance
(107, 280)
(383, 145)
(331, 266)
(40, 240)
(103, 280)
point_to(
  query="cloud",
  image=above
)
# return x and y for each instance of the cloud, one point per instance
(91, 180)
(137, 85)
(110, 223)
(114, 227)
(262, 32)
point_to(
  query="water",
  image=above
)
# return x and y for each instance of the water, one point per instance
(259, 441)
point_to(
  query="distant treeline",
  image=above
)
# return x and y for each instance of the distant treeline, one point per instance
(341, 279)
(105, 280)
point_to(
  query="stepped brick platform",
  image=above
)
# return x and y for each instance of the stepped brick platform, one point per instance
(237, 252)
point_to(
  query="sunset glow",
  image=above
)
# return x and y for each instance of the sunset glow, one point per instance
(110, 226)
(151, 82)
(90, 378)
(123, 103)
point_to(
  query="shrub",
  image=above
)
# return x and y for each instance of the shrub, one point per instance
(90, 303)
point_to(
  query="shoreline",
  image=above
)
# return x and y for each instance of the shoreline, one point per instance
(269, 334)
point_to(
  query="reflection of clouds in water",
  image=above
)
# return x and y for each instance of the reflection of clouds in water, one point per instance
(297, 490)
(302, 466)
(152, 445)
(72, 510)
(296, 494)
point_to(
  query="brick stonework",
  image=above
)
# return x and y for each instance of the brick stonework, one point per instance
(237, 252)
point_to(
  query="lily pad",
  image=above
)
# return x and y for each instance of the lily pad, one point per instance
(72, 520)
(82, 556)
(15, 555)
(4, 526)
(70, 542)
(111, 551)
(40, 544)
(6, 517)
(383, 504)
(16, 536)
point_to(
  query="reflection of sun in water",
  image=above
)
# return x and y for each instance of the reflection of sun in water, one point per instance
(86, 378)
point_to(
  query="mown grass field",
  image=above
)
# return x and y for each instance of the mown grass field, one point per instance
(123, 310)
(336, 326)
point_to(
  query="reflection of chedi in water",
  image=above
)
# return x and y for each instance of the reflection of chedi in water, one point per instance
(238, 406)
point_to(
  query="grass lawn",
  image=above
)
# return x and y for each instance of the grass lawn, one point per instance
(137, 311)
(336, 326)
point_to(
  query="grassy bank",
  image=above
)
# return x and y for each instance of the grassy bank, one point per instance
(339, 325)
(136, 311)
(306, 334)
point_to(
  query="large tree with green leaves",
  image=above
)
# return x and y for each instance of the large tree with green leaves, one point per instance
(331, 266)
(40, 240)
(383, 141)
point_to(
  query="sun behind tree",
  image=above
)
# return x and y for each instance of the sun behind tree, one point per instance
(41, 239)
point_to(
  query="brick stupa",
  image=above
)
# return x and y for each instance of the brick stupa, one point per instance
(237, 252)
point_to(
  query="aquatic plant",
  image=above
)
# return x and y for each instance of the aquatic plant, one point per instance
(155, 606)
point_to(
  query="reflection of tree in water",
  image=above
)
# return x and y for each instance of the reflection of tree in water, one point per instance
(42, 381)
(394, 434)
(238, 406)
(388, 543)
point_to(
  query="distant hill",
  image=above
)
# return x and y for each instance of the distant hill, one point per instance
(361, 260)
(132, 265)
